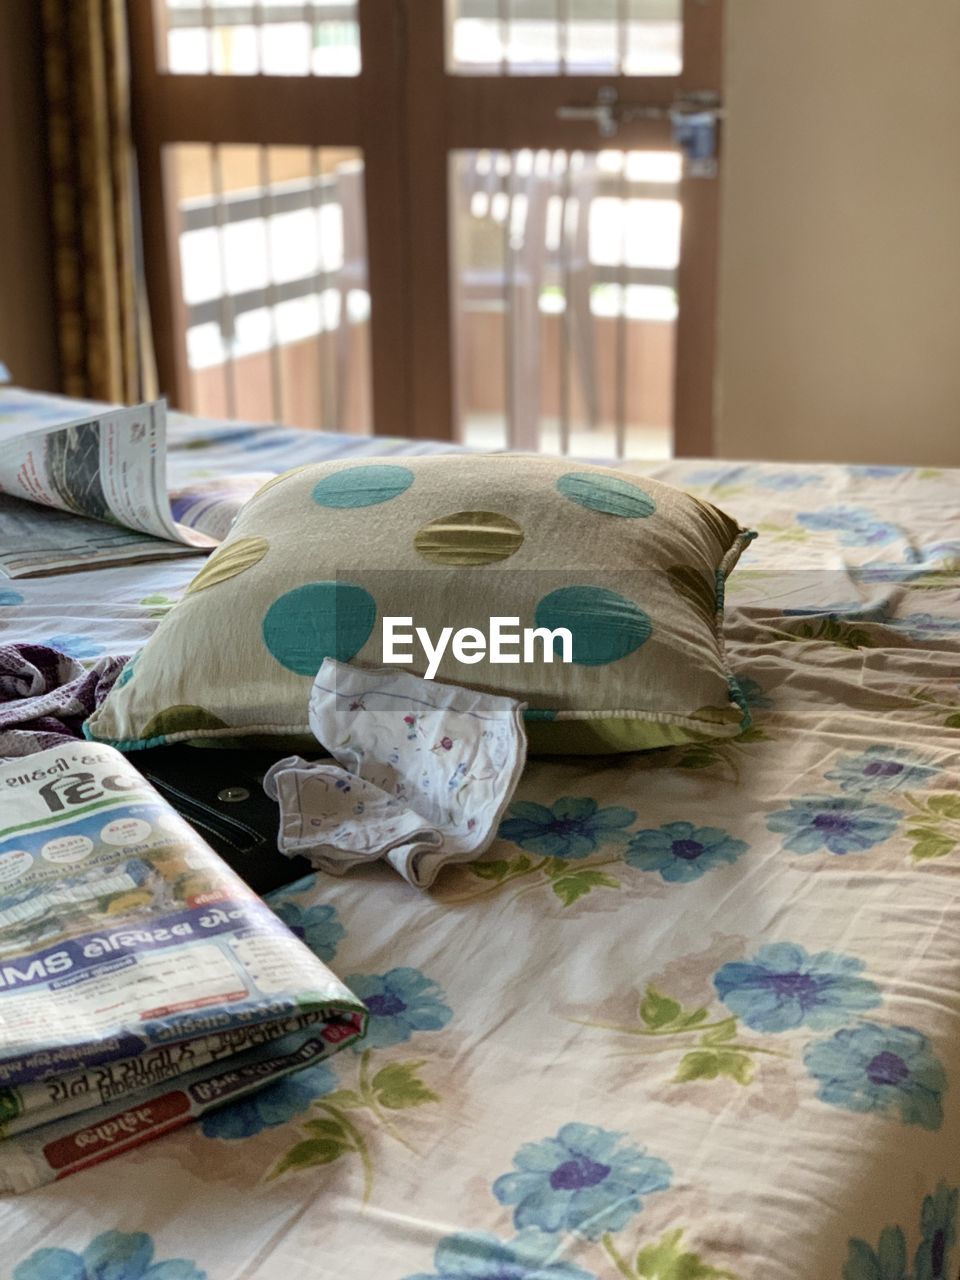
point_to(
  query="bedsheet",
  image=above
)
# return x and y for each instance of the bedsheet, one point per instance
(695, 1017)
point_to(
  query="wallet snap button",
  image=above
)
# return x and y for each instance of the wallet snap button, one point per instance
(232, 795)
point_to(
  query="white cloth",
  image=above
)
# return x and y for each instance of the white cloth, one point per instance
(424, 773)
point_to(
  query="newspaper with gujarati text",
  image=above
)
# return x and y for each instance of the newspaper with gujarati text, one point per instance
(91, 490)
(141, 981)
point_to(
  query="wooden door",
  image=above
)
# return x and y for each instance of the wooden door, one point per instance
(432, 108)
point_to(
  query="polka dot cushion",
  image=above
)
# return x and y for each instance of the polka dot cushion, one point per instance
(632, 568)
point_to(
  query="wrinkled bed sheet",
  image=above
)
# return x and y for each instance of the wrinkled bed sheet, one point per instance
(45, 696)
(696, 1016)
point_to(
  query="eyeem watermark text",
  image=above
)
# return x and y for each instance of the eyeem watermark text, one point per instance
(504, 643)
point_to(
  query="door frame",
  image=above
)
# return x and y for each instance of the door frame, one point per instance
(406, 152)
(448, 112)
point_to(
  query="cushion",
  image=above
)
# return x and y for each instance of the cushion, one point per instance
(633, 569)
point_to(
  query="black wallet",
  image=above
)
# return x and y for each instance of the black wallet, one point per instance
(220, 793)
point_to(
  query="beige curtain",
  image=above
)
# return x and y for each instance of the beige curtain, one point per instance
(104, 347)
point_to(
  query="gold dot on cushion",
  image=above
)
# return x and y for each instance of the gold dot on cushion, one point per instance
(469, 538)
(275, 480)
(181, 719)
(231, 559)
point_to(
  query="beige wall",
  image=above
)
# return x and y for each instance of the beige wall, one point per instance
(840, 264)
(27, 324)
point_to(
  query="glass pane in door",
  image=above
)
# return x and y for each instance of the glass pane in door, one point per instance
(573, 37)
(272, 37)
(273, 268)
(565, 302)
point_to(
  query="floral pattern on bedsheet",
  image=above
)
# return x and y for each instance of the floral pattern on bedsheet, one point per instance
(111, 1256)
(333, 1108)
(574, 828)
(576, 1192)
(934, 1256)
(695, 1016)
(402, 1003)
(782, 989)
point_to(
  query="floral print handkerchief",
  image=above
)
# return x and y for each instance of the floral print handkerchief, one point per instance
(423, 776)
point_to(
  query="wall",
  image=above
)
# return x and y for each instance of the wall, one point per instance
(27, 320)
(840, 261)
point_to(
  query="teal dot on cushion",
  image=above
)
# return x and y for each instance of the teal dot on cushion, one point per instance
(609, 494)
(605, 625)
(320, 620)
(362, 486)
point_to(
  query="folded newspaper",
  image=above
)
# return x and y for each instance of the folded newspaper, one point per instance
(141, 982)
(82, 488)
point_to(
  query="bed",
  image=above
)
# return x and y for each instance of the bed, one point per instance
(698, 1018)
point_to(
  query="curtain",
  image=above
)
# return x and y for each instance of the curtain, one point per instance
(104, 346)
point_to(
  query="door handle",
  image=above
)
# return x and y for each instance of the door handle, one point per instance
(608, 112)
(694, 117)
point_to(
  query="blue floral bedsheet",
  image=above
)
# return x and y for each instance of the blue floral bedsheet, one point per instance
(697, 1015)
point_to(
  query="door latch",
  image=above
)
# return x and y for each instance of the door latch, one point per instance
(693, 117)
(606, 113)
